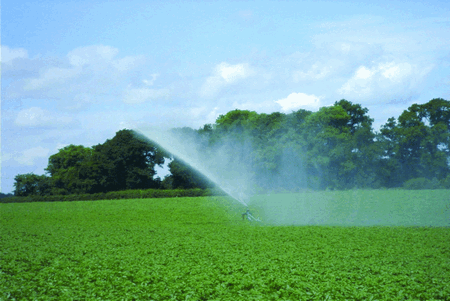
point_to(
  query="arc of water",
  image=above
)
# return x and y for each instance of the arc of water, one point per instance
(178, 149)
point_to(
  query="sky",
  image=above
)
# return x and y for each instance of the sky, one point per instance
(76, 72)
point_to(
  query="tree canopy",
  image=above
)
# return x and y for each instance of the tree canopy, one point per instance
(335, 148)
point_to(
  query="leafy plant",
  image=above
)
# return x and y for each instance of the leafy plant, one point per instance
(199, 249)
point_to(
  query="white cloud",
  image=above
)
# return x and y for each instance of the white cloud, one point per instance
(87, 73)
(51, 77)
(387, 79)
(363, 73)
(225, 74)
(8, 55)
(28, 157)
(151, 81)
(360, 83)
(101, 56)
(295, 101)
(31, 117)
(140, 95)
(91, 55)
(395, 72)
(35, 117)
(315, 72)
(127, 63)
(325, 62)
(231, 73)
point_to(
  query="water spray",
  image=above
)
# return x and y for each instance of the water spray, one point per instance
(228, 177)
(186, 151)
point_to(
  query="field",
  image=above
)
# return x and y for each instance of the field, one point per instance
(201, 249)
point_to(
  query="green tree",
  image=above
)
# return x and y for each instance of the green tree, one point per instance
(364, 154)
(388, 168)
(327, 141)
(265, 133)
(70, 170)
(418, 144)
(184, 176)
(436, 114)
(31, 184)
(236, 121)
(279, 163)
(424, 139)
(127, 161)
(195, 144)
(233, 138)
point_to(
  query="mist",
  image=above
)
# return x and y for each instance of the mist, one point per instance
(221, 164)
(226, 164)
(355, 208)
(327, 167)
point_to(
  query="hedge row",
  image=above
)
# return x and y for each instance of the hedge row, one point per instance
(423, 183)
(115, 195)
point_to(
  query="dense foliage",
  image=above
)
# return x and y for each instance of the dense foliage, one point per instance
(333, 148)
(114, 195)
(200, 249)
(125, 162)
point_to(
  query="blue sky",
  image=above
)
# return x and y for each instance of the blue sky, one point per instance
(76, 72)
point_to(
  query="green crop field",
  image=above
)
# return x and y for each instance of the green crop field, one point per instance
(201, 249)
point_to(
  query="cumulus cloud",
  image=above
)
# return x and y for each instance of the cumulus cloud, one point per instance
(315, 72)
(395, 72)
(231, 73)
(100, 57)
(8, 55)
(51, 77)
(36, 117)
(140, 95)
(360, 83)
(296, 101)
(387, 79)
(91, 55)
(85, 63)
(88, 73)
(388, 60)
(29, 156)
(225, 74)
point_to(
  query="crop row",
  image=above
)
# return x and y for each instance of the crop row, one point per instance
(199, 249)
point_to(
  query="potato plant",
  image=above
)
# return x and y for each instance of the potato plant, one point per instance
(200, 249)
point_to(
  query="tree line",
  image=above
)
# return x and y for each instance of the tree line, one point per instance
(333, 148)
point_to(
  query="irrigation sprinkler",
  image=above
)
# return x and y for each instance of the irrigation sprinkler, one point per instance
(247, 214)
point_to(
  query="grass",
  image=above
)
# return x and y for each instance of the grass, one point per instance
(200, 249)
